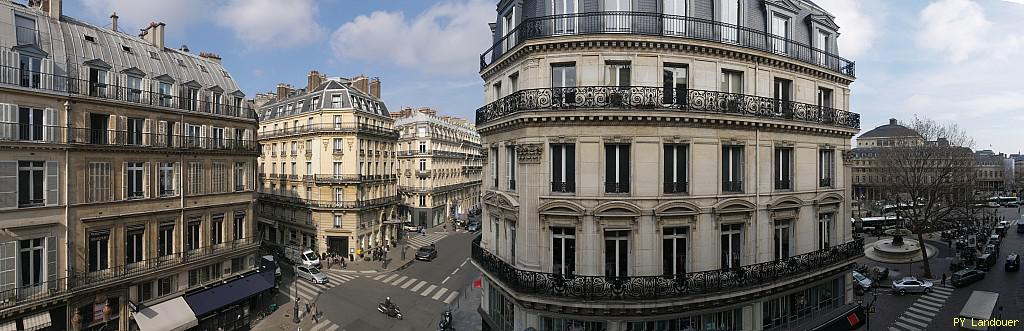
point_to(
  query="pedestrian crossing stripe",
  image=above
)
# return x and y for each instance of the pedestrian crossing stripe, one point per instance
(428, 290)
(926, 306)
(390, 278)
(415, 242)
(932, 300)
(411, 280)
(937, 295)
(920, 311)
(907, 327)
(451, 297)
(929, 303)
(418, 286)
(942, 290)
(914, 322)
(916, 317)
(379, 277)
(399, 281)
(439, 293)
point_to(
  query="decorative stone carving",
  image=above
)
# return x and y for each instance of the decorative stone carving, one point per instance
(529, 153)
(676, 140)
(618, 140)
(847, 158)
(562, 140)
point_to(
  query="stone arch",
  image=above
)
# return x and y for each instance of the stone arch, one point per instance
(562, 207)
(676, 208)
(617, 208)
(785, 202)
(734, 205)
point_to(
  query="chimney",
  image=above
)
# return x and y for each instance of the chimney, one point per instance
(892, 121)
(493, 26)
(113, 21)
(375, 87)
(313, 80)
(211, 56)
(361, 83)
(184, 48)
(154, 34)
(283, 91)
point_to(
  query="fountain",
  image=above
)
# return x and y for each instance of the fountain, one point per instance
(897, 249)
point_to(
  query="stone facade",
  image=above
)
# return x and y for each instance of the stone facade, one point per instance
(439, 166)
(614, 162)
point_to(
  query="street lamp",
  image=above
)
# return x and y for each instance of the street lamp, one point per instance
(869, 308)
(295, 294)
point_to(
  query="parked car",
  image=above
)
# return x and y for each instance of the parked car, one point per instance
(985, 261)
(411, 228)
(992, 204)
(862, 280)
(313, 275)
(473, 227)
(1012, 262)
(911, 285)
(426, 253)
(966, 276)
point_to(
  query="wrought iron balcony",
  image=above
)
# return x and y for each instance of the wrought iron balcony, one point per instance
(563, 187)
(329, 127)
(782, 184)
(649, 98)
(825, 182)
(616, 187)
(658, 24)
(676, 187)
(329, 204)
(577, 287)
(423, 173)
(139, 139)
(732, 186)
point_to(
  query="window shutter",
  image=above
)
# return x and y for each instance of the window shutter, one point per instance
(147, 139)
(177, 178)
(668, 167)
(202, 135)
(112, 129)
(124, 183)
(161, 134)
(146, 179)
(8, 125)
(52, 183)
(176, 136)
(46, 77)
(50, 124)
(624, 165)
(8, 267)
(570, 166)
(51, 258)
(556, 163)
(8, 184)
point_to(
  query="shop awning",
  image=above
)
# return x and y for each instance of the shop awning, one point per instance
(170, 315)
(37, 321)
(236, 290)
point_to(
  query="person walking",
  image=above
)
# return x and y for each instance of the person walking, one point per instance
(943, 278)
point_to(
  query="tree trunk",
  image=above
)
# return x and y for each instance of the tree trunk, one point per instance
(924, 256)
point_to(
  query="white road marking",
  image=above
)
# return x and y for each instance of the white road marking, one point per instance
(932, 300)
(451, 297)
(913, 321)
(427, 291)
(379, 277)
(456, 270)
(463, 263)
(418, 286)
(389, 278)
(926, 304)
(922, 312)
(320, 325)
(333, 327)
(937, 295)
(445, 280)
(908, 327)
(439, 293)
(411, 280)
(399, 281)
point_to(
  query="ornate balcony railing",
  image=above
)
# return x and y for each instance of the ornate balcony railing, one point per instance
(616, 187)
(563, 187)
(825, 182)
(658, 24)
(662, 99)
(732, 185)
(329, 127)
(782, 184)
(139, 139)
(663, 287)
(329, 204)
(676, 187)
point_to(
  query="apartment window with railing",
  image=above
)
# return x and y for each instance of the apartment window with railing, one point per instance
(825, 230)
(99, 250)
(31, 262)
(134, 180)
(134, 245)
(825, 98)
(423, 147)
(338, 146)
(99, 182)
(195, 178)
(339, 195)
(25, 30)
(826, 167)
(563, 168)
(732, 81)
(563, 250)
(217, 138)
(165, 238)
(164, 90)
(731, 245)
(563, 79)
(188, 98)
(166, 178)
(510, 167)
(217, 229)
(30, 183)
(617, 73)
(732, 168)
(135, 130)
(30, 124)
(675, 167)
(497, 90)
(494, 166)
(192, 234)
(508, 23)
(240, 176)
(780, 32)
(783, 94)
(423, 165)
(239, 225)
(783, 245)
(616, 253)
(673, 250)
(336, 101)
(616, 168)
(338, 169)
(783, 168)
(674, 83)
(31, 70)
(218, 176)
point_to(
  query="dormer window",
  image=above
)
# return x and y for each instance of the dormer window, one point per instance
(181, 62)
(30, 71)
(126, 49)
(90, 38)
(165, 94)
(153, 55)
(97, 82)
(25, 29)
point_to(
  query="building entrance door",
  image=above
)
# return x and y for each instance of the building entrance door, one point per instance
(338, 245)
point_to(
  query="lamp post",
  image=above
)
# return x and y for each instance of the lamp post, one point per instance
(869, 308)
(295, 294)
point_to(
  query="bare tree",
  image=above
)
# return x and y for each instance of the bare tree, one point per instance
(930, 183)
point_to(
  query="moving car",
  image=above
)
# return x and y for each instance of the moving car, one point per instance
(911, 285)
(966, 277)
(862, 280)
(313, 275)
(1012, 262)
(411, 228)
(302, 256)
(473, 227)
(426, 253)
(985, 261)
(979, 307)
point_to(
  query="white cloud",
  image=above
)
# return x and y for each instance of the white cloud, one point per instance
(856, 27)
(272, 23)
(953, 27)
(134, 15)
(446, 38)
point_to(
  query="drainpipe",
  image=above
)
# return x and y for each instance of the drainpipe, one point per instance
(757, 173)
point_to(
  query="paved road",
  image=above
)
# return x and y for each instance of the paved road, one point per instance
(935, 311)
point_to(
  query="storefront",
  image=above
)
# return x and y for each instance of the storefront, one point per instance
(232, 305)
(170, 315)
(45, 320)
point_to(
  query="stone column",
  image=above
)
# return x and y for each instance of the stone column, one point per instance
(531, 181)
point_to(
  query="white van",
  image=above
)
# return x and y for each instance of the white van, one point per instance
(979, 308)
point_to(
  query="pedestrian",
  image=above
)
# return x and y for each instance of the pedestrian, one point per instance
(943, 278)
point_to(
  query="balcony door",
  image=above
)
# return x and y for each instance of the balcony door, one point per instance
(729, 16)
(780, 33)
(617, 18)
(565, 16)
(616, 253)
(674, 22)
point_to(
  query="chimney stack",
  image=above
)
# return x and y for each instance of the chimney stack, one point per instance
(154, 34)
(211, 56)
(314, 79)
(375, 87)
(892, 121)
(113, 21)
(361, 83)
(283, 91)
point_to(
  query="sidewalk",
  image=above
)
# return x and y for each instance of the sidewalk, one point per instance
(281, 319)
(395, 261)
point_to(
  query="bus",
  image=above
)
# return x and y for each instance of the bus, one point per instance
(892, 209)
(1003, 201)
(870, 224)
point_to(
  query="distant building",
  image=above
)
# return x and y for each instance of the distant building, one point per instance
(867, 182)
(440, 163)
(328, 168)
(993, 174)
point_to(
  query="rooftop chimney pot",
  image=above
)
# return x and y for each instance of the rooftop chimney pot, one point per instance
(892, 121)
(113, 21)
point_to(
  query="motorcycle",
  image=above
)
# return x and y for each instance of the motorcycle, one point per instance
(446, 322)
(392, 311)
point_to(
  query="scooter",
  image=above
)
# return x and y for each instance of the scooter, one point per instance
(391, 312)
(446, 322)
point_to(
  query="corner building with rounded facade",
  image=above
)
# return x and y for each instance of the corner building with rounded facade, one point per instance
(666, 165)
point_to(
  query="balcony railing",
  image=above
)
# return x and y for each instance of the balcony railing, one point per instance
(658, 24)
(146, 267)
(675, 187)
(732, 186)
(782, 184)
(423, 173)
(825, 182)
(124, 138)
(330, 204)
(563, 187)
(37, 133)
(41, 292)
(616, 187)
(69, 85)
(663, 287)
(661, 99)
(329, 127)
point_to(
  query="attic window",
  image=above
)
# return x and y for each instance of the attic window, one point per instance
(181, 62)
(203, 68)
(126, 49)
(90, 38)
(152, 55)
(225, 74)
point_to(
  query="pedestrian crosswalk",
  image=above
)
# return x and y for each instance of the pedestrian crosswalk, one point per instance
(421, 287)
(416, 241)
(324, 325)
(921, 313)
(308, 291)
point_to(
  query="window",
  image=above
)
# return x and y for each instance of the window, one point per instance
(164, 90)
(338, 147)
(165, 239)
(217, 229)
(215, 100)
(732, 81)
(563, 83)
(30, 261)
(336, 101)
(826, 167)
(99, 182)
(133, 247)
(497, 90)
(502, 310)
(99, 241)
(825, 230)
(782, 243)
(513, 83)
(824, 40)
(338, 169)
(134, 180)
(339, 195)
(785, 312)
(675, 21)
(563, 168)
(783, 95)
(30, 183)
(780, 33)
(783, 168)
(423, 164)
(508, 23)
(240, 176)
(315, 103)
(674, 82)
(195, 178)
(25, 30)
(566, 8)
(165, 286)
(31, 70)
(673, 251)
(239, 226)
(494, 165)
(616, 253)
(675, 168)
(510, 166)
(729, 14)
(825, 98)
(170, 134)
(731, 245)
(30, 124)
(337, 221)
(166, 179)
(563, 251)
(617, 73)
(732, 168)
(423, 200)
(134, 88)
(188, 98)
(217, 138)
(192, 234)
(97, 82)
(423, 147)
(617, 21)
(616, 168)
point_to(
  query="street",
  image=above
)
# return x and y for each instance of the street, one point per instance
(936, 310)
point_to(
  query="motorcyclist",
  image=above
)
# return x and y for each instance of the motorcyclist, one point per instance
(388, 304)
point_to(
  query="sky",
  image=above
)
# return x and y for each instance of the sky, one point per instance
(955, 61)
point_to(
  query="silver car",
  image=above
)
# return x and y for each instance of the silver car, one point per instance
(911, 285)
(313, 275)
(862, 280)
